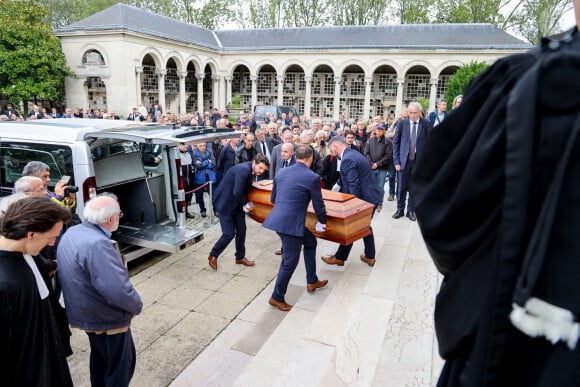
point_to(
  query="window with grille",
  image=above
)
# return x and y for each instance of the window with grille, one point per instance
(95, 83)
(387, 85)
(357, 84)
(417, 86)
(315, 107)
(149, 79)
(265, 83)
(190, 82)
(301, 82)
(171, 81)
(301, 106)
(442, 85)
(190, 104)
(356, 108)
(289, 84)
(329, 84)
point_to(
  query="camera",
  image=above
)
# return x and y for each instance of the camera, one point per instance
(70, 189)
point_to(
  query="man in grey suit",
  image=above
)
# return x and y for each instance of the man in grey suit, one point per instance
(276, 161)
(293, 189)
(407, 144)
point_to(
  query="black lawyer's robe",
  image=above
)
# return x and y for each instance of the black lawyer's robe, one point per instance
(31, 352)
(480, 185)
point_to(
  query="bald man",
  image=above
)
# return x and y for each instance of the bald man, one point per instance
(99, 296)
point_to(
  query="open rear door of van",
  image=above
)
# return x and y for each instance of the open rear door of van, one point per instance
(123, 174)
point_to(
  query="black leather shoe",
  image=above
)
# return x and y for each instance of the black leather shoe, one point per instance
(398, 214)
(411, 216)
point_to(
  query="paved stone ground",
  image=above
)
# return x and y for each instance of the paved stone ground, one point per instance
(186, 304)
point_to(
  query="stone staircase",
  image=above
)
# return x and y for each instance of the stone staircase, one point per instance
(367, 327)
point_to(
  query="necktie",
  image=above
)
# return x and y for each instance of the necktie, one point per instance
(413, 141)
(263, 148)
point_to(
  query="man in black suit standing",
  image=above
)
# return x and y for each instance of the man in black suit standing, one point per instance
(407, 144)
(355, 178)
(293, 189)
(231, 204)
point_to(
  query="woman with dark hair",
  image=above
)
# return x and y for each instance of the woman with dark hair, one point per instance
(30, 346)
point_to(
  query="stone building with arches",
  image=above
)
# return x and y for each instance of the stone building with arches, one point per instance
(123, 56)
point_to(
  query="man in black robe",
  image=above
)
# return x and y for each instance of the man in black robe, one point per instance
(496, 196)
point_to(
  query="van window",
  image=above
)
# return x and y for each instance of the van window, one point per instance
(106, 147)
(16, 155)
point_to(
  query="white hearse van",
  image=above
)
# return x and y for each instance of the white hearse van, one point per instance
(105, 156)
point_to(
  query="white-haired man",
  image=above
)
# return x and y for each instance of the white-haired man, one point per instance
(98, 294)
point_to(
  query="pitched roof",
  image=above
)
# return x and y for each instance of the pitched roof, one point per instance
(406, 36)
(127, 18)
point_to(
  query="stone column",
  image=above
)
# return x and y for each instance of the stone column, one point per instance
(182, 107)
(161, 91)
(254, 78)
(336, 104)
(280, 79)
(367, 104)
(229, 89)
(200, 77)
(138, 72)
(307, 96)
(399, 103)
(215, 91)
(222, 90)
(433, 96)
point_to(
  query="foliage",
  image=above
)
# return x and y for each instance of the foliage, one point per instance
(538, 18)
(460, 80)
(31, 58)
(306, 13)
(65, 12)
(471, 11)
(210, 14)
(424, 103)
(236, 102)
(412, 11)
(358, 12)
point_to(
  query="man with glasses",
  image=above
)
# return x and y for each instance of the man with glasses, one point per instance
(99, 296)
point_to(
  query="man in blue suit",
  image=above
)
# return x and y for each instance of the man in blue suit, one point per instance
(294, 187)
(407, 144)
(230, 202)
(355, 178)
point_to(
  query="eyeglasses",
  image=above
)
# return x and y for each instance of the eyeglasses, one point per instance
(120, 214)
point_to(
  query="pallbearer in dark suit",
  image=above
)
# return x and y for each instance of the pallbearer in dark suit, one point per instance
(355, 178)
(407, 145)
(230, 202)
(294, 188)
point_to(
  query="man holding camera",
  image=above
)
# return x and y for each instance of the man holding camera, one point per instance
(63, 194)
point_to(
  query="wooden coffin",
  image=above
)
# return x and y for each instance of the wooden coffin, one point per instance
(348, 217)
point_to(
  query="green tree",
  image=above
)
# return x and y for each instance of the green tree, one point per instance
(538, 18)
(211, 14)
(424, 103)
(62, 13)
(306, 13)
(471, 11)
(358, 12)
(412, 11)
(461, 79)
(31, 58)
